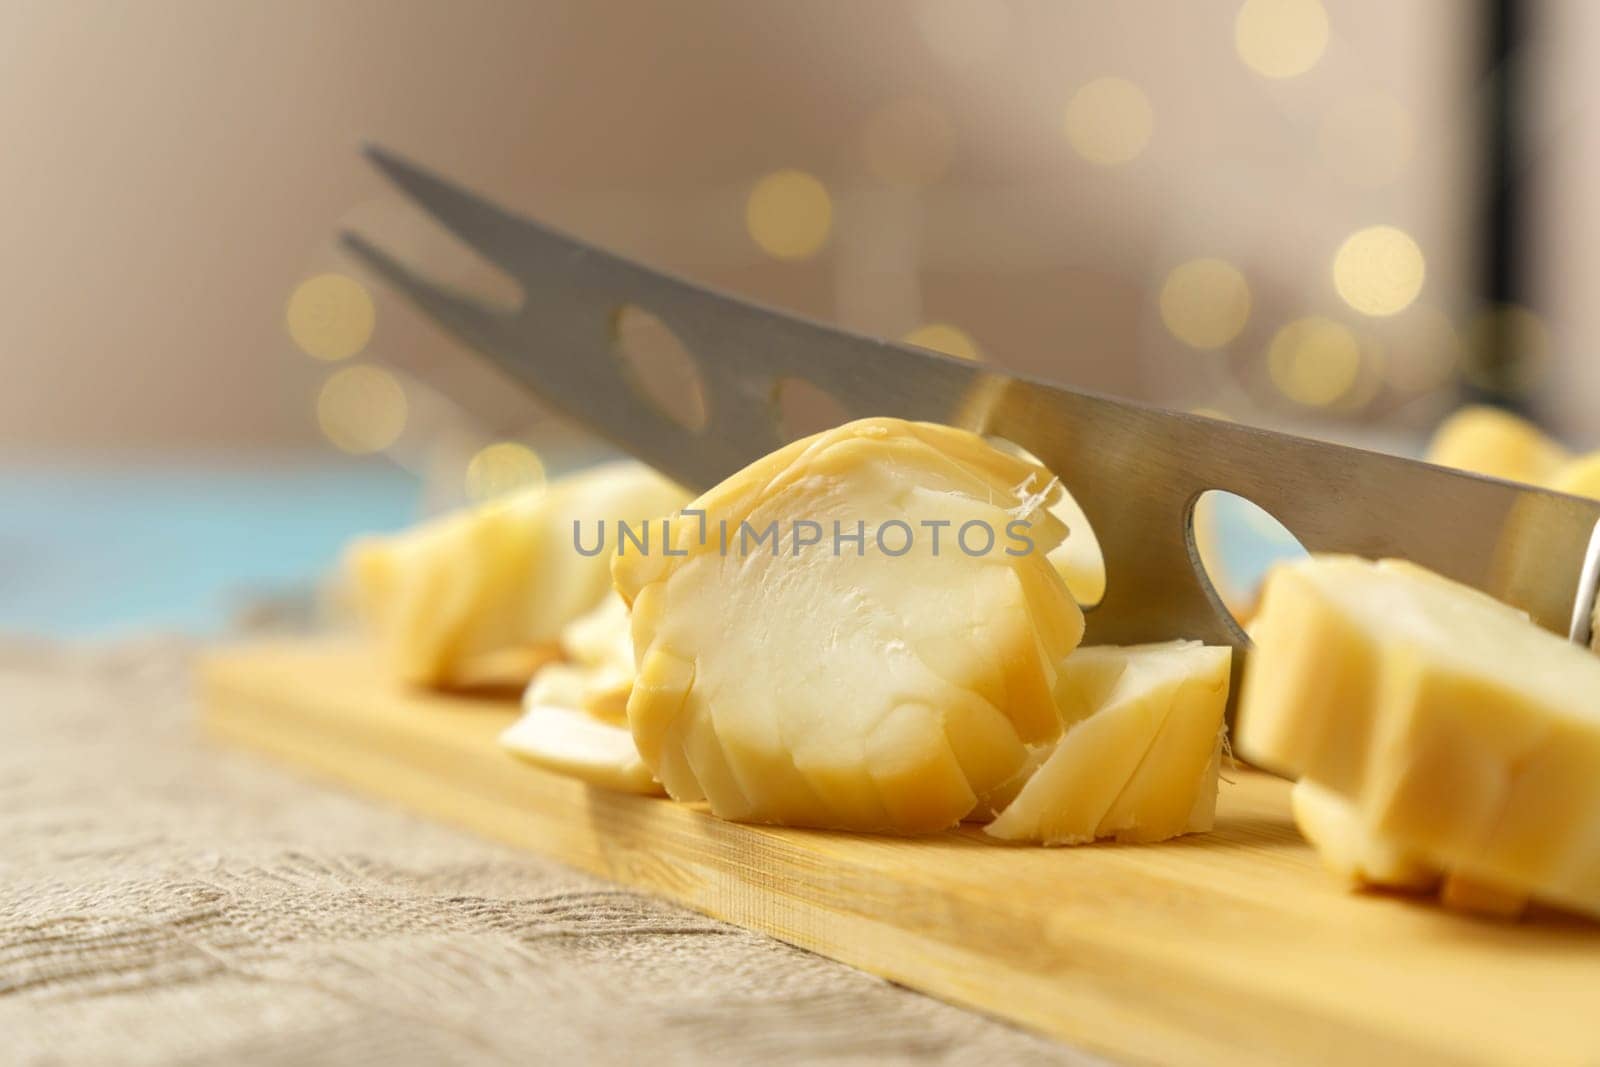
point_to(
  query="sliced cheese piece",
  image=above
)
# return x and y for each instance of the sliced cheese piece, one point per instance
(1459, 733)
(480, 596)
(601, 637)
(1349, 849)
(1580, 476)
(569, 685)
(1362, 856)
(1078, 558)
(1000, 797)
(574, 743)
(1490, 441)
(1139, 758)
(890, 683)
(599, 675)
(574, 719)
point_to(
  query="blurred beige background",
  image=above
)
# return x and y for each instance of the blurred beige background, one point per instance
(1032, 174)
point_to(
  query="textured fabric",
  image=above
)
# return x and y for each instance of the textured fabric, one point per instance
(166, 900)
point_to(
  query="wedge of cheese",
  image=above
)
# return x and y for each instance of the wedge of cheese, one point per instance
(1486, 440)
(884, 662)
(479, 597)
(1494, 442)
(1140, 756)
(1579, 476)
(1461, 736)
(1489, 441)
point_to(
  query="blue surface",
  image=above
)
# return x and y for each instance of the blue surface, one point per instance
(1248, 542)
(92, 550)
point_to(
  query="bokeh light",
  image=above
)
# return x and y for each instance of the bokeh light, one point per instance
(1424, 352)
(908, 142)
(330, 316)
(362, 409)
(1367, 139)
(1205, 302)
(943, 337)
(1379, 270)
(963, 33)
(1314, 361)
(1108, 121)
(1371, 374)
(789, 214)
(1507, 346)
(1280, 38)
(503, 467)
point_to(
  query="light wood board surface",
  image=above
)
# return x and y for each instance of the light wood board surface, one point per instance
(1233, 946)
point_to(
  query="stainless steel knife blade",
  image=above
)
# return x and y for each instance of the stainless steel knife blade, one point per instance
(1135, 470)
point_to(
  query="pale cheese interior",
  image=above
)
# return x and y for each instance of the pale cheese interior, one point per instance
(838, 689)
(1139, 759)
(1459, 733)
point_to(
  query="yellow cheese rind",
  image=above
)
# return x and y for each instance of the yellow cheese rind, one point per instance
(480, 596)
(853, 689)
(1460, 733)
(1138, 761)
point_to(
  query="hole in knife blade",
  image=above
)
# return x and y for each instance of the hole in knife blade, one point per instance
(804, 409)
(659, 367)
(1077, 559)
(1237, 542)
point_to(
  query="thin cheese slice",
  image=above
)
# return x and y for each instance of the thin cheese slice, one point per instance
(1139, 759)
(874, 684)
(480, 596)
(574, 743)
(599, 673)
(1077, 558)
(1461, 735)
(574, 720)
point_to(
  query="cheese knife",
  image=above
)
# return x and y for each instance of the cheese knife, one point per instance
(1136, 470)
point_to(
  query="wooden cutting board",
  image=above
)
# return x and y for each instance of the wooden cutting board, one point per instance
(1232, 946)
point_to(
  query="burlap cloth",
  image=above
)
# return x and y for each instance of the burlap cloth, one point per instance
(166, 900)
